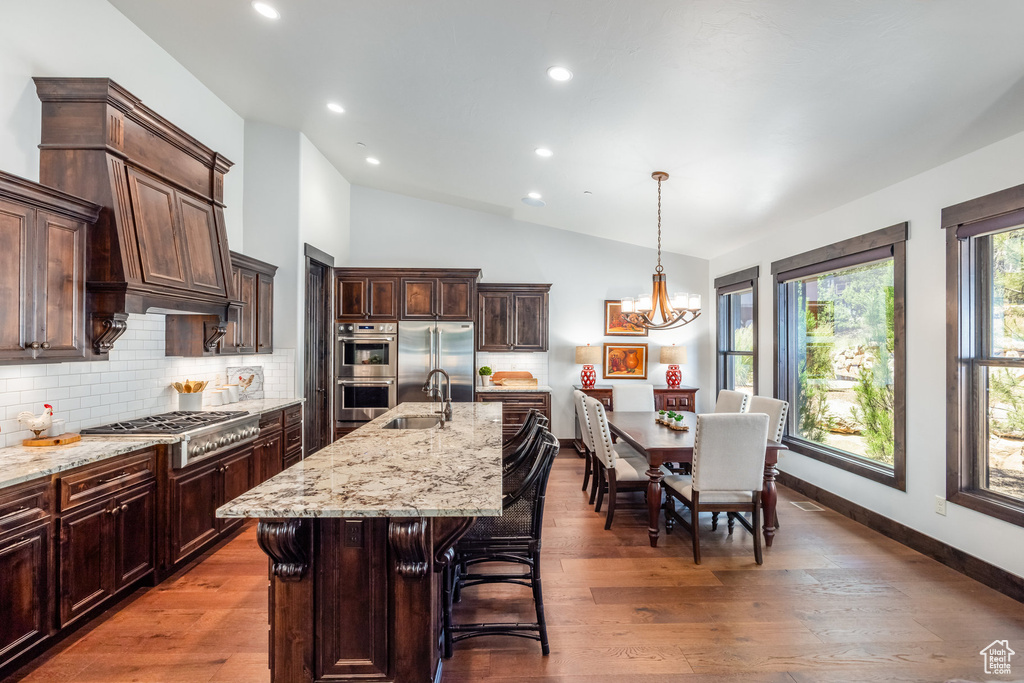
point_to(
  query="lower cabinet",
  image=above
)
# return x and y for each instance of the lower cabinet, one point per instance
(515, 406)
(269, 455)
(25, 589)
(196, 493)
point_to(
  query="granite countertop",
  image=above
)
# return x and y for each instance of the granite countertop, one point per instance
(375, 472)
(540, 388)
(19, 464)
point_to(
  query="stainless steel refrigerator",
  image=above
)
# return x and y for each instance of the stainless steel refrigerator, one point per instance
(423, 346)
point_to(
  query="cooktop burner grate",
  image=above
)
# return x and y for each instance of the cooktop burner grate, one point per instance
(175, 422)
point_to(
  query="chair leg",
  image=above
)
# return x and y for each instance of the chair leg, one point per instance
(586, 470)
(595, 477)
(732, 520)
(695, 526)
(756, 523)
(601, 487)
(611, 499)
(714, 521)
(538, 601)
(670, 509)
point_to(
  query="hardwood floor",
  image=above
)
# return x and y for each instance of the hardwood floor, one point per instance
(833, 602)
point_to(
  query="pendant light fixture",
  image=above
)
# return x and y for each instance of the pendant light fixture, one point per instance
(658, 311)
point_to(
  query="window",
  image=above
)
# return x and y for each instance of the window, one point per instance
(985, 367)
(737, 331)
(840, 353)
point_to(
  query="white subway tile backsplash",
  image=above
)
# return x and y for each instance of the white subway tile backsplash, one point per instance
(134, 382)
(534, 363)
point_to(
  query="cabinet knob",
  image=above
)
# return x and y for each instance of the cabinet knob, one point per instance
(45, 345)
(115, 510)
(124, 506)
(34, 345)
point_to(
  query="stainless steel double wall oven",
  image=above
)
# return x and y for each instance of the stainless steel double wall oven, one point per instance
(366, 370)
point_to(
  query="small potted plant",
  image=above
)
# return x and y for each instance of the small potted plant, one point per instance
(485, 376)
(678, 424)
(660, 417)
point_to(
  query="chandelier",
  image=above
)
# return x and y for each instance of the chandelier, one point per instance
(658, 311)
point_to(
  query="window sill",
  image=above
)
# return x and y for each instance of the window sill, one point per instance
(849, 463)
(989, 503)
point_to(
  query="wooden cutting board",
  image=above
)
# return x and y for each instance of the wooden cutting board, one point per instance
(53, 440)
(511, 374)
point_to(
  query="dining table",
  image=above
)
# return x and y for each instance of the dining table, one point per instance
(662, 445)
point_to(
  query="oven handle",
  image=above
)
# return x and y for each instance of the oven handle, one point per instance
(366, 339)
(365, 382)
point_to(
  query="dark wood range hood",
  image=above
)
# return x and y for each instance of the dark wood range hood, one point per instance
(160, 241)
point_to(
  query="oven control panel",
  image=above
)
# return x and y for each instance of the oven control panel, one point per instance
(367, 328)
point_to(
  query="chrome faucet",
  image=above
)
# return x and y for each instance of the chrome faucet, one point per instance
(446, 414)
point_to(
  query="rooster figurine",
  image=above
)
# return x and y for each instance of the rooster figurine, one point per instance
(37, 423)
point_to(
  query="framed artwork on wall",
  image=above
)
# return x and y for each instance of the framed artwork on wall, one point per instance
(625, 361)
(615, 323)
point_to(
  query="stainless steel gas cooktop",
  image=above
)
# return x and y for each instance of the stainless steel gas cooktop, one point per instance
(176, 422)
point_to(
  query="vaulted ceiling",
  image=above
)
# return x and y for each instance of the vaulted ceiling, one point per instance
(763, 112)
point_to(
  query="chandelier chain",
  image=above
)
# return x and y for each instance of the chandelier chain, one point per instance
(659, 269)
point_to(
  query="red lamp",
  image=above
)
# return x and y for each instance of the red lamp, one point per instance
(673, 356)
(588, 356)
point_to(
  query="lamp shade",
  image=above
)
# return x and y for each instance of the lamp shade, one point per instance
(588, 355)
(673, 355)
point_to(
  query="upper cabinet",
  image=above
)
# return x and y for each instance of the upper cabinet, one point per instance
(250, 329)
(404, 294)
(160, 241)
(512, 317)
(42, 272)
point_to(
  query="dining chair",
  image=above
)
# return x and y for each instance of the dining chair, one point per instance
(620, 468)
(633, 397)
(728, 471)
(533, 418)
(512, 537)
(776, 411)
(588, 442)
(731, 401)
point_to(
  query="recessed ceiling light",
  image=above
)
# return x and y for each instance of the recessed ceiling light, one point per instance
(373, 160)
(266, 10)
(534, 195)
(361, 145)
(532, 201)
(336, 108)
(587, 192)
(559, 73)
(543, 152)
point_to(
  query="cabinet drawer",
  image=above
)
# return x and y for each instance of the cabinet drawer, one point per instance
(270, 421)
(293, 439)
(292, 415)
(24, 506)
(106, 478)
(528, 401)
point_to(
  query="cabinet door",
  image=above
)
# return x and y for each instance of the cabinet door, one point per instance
(24, 591)
(531, 322)
(350, 298)
(230, 342)
(247, 317)
(157, 229)
(202, 247)
(193, 502)
(494, 321)
(383, 298)
(456, 298)
(60, 288)
(419, 298)
(674, 400)
(86, 549)
(17, 308)
(270, 456)
(264, 314)
(235, 479)
(135, 547)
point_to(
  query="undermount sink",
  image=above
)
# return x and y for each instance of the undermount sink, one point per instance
(412, 423)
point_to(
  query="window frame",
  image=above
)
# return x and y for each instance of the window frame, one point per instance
(965, 305)
(846, 254)
(725, 285)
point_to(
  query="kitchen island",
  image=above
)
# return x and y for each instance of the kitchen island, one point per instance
(357, 535)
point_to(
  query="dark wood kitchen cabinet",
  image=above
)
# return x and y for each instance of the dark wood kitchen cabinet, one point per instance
(438, 295)
(512, 317)
(26, 585)
(250, 329)
(362, 294)
(42, 272)
(265, 312)
(515, 406)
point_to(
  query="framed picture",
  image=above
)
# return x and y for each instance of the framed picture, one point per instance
(615, 323)
(625, 361)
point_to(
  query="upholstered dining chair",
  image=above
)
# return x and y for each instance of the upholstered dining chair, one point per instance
(731, 401)
(776, 411)
(728, 471)
(588, 442)
(620, 468)
(633, 397)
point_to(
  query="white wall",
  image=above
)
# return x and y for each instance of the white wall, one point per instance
(395, 230)
(89, 38)
(918, 200)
